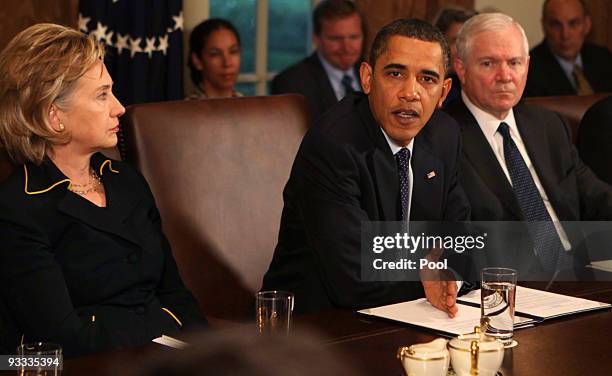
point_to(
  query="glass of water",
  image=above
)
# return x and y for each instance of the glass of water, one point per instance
(273, 312)
(497, 302)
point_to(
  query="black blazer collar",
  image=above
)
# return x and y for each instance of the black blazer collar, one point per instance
(43, 178)
(558, 80)
(539, 149)
(381, 162)
(47, 180)
(325, 89)
(426, 174)
(479, 154)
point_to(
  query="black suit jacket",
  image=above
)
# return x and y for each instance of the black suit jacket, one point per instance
(345, 173)
(308, 77)
(595, 139)
(573, 190)
(85, 277)
(546, 77)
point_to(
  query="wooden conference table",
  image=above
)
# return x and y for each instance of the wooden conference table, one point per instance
(575, 345)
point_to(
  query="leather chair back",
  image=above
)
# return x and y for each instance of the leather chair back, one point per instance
(217, 169)
(571, 107)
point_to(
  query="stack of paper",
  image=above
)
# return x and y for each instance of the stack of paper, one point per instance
(170, 342)
(542, 305)
(605, 265)
(532, 306)
(421, 313)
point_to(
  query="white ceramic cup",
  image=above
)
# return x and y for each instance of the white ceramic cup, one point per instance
(475, 353)
(425, 359)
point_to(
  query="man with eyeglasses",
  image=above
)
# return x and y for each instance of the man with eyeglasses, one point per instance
(331, 71)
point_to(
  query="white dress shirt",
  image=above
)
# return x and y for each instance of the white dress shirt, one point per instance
(489, 125)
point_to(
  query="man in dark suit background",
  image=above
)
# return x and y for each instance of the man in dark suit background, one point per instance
(595, 138)
(346, 173)
(449, 20)
(564, 64)
(518, 162)
(332, 71)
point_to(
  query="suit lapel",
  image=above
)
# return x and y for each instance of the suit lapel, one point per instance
(381, 163)
(101, 219)
(534, 138)
(121, 201)
(538, 147)
(558, 82)
(387, 183)
(326, 91)
(424, 183)
(479, 154)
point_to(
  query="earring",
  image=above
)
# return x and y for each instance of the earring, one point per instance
(61, 127)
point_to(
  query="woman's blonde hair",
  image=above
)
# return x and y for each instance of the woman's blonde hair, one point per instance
(38, 68)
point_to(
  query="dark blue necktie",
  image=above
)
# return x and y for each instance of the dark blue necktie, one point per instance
(546, 240)
(402, 157)
(347, 83)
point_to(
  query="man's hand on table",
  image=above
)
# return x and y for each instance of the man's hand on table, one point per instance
(442, 295)
(440, 286)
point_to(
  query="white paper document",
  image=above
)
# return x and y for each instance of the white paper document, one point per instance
(605, 265)
(542, 304)
(420, 313)
(170, 342)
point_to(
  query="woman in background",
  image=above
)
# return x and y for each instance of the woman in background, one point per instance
(214, 51)
(83, 260)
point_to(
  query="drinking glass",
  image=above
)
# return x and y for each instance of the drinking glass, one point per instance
(497, 302)
(40, 359)
(273, 311)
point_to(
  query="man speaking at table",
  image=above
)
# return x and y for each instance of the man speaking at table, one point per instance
(382, 155)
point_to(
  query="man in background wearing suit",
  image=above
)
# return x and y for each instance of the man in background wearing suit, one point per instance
(383, 155)
(332, 71)
(564, 64)
(518, 162)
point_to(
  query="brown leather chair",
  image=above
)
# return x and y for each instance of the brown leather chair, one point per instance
(571, 107)
(217, 169)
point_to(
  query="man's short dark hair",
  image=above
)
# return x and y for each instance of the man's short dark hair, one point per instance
(411, 28)
(199, 37)
(448, 16)
(583, 4)
(331, 9)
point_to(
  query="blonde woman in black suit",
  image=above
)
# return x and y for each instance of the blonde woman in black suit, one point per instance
(83, 260)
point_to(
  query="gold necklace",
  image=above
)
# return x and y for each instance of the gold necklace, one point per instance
(95, 185)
